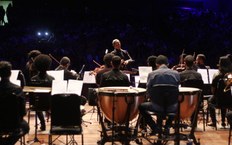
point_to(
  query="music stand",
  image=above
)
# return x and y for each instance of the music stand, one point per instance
(40, 101)
(92, 100)
(89, 82)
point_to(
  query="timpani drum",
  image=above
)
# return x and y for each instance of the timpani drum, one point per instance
(188, 98)
(120, 101)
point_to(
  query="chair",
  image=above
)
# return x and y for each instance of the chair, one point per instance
(200, 85)
(10, 120)
(166, 97)
(66, 117)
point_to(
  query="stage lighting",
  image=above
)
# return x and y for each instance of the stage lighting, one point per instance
(39, 34)
(44, 36)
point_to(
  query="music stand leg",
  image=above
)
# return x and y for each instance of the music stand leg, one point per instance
(92, 111)
(36, 127)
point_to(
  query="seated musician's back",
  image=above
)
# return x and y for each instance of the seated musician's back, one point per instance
(42, 63)
(225, 66)
(9, 92)
(114, 77)
(161, 76)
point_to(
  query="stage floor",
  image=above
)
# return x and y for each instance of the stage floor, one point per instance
(92, 132)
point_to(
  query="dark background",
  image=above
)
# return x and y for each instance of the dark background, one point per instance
(84, 29)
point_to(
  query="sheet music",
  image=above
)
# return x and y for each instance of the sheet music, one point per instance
(14, 75)
(143, 73)
(75, 86)
(57, 74)
(128, 75)
(136, 81)
(59, 87)
(204, 75)
(207, 77)
(16, 82)
(67, 87)
(89, 79)
(212, 72)
(231, 89)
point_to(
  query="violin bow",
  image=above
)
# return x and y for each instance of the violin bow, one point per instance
(182, 57)
(96, 63)
(54, 59)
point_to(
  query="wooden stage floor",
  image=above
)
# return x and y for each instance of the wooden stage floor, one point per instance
(92, 133)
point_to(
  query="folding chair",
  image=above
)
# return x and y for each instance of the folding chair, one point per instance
(66, 118)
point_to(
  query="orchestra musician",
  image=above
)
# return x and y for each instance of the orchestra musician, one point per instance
(190, 74)
(114, 77)
(151, 61)
(42, 63)
(7, 87)
(30, 69)
(225, 66)
(162, 75)
(123, 54)
(200, 62)
(64, 65)
(105, 68)
(180, 67)
(65, 62)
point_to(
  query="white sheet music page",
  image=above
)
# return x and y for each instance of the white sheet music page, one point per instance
(143, 73)
(16, 82)
(204, 75)
(75, 87)
(231, 89)
(59, 87)
(212, 73)
(136, 81)
(128, 75)
(57, 74)
(89, 79)
(14, 75)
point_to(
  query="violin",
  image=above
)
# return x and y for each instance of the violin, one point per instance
(181, 66)
(97, 69)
